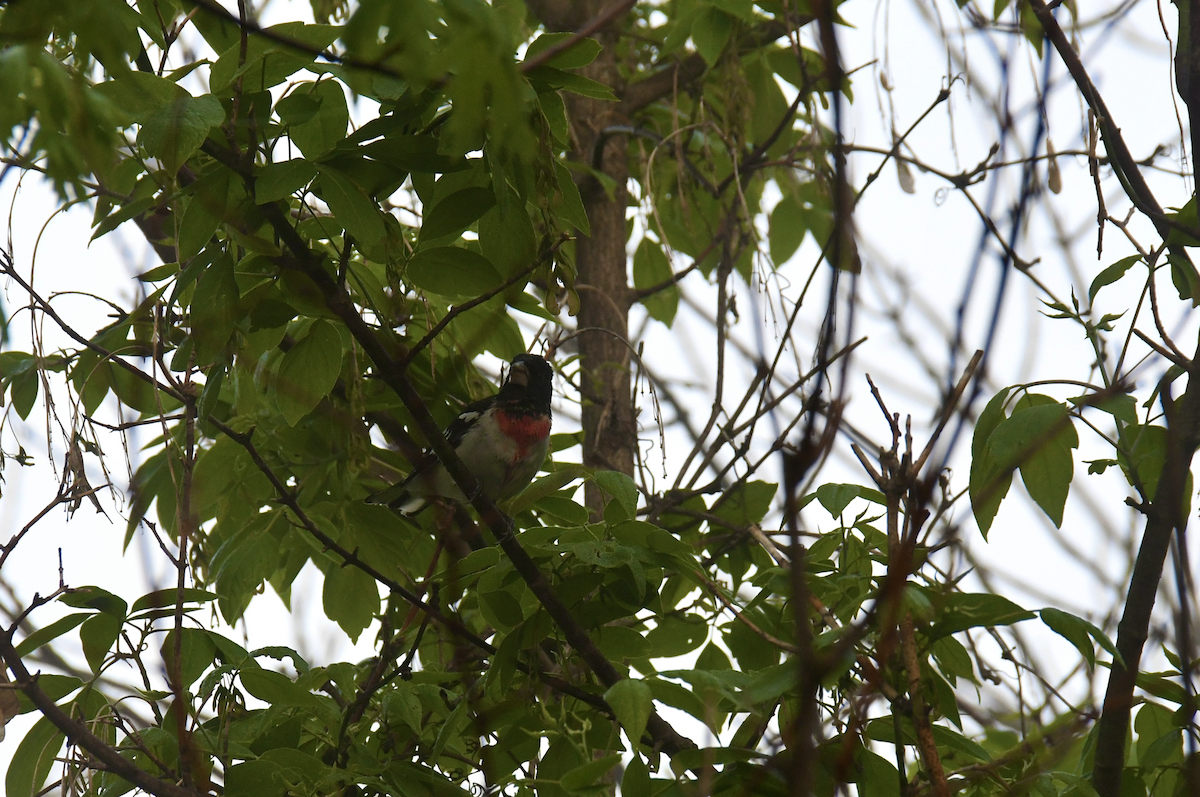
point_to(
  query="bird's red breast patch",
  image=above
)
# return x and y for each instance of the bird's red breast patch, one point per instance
(523, 429)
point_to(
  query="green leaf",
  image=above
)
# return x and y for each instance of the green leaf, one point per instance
(952, 659)
(241, 563)
(253, 778)
(771, 683)
(1111, 274)
(989, 482)
(139, 94)
(350, 599)
(680, 697)
(636, 780)
(836, 497)
(587, 774)
(174, 132)
(203, 214)
(742, 9)
(501, 609)
(877, 777)
(676, 635)
(452, 271)
(650, 268)
(580, 54)
(710, 33)
(1080, 633)
(632, 702)
(694, 758)
(51, 632)
(751, 650)
(1145, 450)
(450, 729)
(506, 238)
(322, 124)
(33, 759)
(619, 643)
(622, 489)
(1121, 406)
(56, 687)
(545, 76)
(1186, 218)
(570, 205)
(487, 327)
(95, 598)
(215, 309)
(280, 180)
(413, 154)
(1032, 28)
(267, 61)
(277, 689)
(24, 392)
(134, 207)
(356, 211)
(787, 229)
(959, 611)
(98, 635)
(197, 652)
(308, 372)
(1041, 436)
(748, 503)
(1152, 723)
(168, 597)
(1184, 277)
(456, 212)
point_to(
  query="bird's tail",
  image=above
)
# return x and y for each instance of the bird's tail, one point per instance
(399, 498)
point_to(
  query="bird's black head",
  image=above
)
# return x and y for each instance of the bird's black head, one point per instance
(529, 385)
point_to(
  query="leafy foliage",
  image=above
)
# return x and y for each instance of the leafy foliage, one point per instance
(350, 214)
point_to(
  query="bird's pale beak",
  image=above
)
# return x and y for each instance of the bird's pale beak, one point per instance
(519, 375)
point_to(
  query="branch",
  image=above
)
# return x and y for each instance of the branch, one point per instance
(1163, 513)
(1122, 160)
(389, 371)
(601, 20)
(666, 80)
(78, 733)
(288, 499)
(250, 26)
(459, 309)
(6, 268)
(1164, 516)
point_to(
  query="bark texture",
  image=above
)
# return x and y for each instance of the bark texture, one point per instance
(608, 413)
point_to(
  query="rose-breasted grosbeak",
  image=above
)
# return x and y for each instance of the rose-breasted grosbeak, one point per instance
(502, 440)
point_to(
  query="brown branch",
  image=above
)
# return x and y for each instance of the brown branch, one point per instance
(948, 412)
(288, 499)
(459, 309)
(600, 21)
(62, 498)
(186, 522)
(1164, 513)
(1122, 159)
(250, 26)
(78, 733)
(1164, 516)
(337, 301)
(926, 744)
(680, 73)
(6, 268)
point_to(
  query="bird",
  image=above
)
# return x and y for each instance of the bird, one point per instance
(502, 440)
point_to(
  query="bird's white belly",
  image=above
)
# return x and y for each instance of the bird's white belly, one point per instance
(495, 460)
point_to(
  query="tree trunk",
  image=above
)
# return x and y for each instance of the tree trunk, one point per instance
(609, 423)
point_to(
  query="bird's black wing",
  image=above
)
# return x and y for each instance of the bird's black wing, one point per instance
(466, 419)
